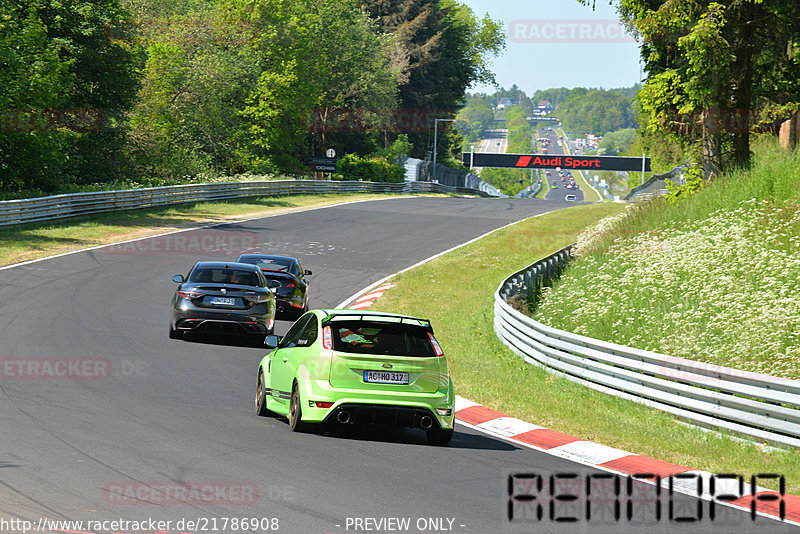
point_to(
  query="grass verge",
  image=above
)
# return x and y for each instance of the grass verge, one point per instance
(459, 302)
(38, 240)
(712, 278)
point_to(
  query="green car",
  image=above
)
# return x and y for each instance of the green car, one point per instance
(350, 367)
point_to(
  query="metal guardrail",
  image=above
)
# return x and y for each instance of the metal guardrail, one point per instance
(759, 406)
(460, 178)
(55, 207)
(422, 170)
(656, 185)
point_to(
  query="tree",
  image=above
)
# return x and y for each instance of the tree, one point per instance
(320, 59)
(715, 69)
(511, 181)
(198, 73)
(555, 96)
(446, 49)
(474, 118)
(63, 81)
(615, 143)
(33, 78)
(597, 111)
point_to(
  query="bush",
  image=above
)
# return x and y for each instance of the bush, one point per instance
(371, 169)
(400, 147)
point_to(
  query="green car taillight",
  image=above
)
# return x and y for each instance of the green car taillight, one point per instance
(436, 348)
(327, 338)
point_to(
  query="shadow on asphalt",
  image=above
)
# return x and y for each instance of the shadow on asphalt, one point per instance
(411, 436)
(257, 342)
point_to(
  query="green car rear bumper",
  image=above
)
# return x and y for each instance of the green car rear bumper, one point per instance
(377, 407)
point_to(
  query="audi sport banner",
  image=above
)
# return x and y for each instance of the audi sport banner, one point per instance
(545, 161)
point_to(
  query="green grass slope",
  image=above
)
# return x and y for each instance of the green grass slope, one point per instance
(713, 278)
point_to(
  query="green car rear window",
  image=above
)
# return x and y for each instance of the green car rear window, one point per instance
(380, 338)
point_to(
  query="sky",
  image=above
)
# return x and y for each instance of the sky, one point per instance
(559, 43)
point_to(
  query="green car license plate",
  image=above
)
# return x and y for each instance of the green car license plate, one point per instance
(385, 377)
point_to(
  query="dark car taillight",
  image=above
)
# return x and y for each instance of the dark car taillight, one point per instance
(255, 299)
(190, 294)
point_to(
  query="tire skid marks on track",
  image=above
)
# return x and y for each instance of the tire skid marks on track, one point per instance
(624, 463)
(231, 222)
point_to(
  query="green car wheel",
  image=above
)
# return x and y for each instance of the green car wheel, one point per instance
(261, 397)
(296, 412)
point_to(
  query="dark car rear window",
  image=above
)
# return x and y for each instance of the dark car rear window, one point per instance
(366, 337)
(275, 264)
(224, 276)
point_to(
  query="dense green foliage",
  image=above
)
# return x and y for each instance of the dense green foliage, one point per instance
(372, 169)
(617, 142)
(63, 83)
(152, 91)
(597, 111)
(442, 48)
(474, 118)
(716, 71)
(511, 181)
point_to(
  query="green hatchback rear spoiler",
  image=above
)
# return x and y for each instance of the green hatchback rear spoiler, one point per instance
(425, 323)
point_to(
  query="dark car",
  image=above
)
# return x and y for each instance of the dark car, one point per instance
(223, 297)
(292, 293)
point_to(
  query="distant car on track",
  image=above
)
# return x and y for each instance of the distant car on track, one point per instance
(293, 292)
(222, 297)
(352, 367)
(570, 197)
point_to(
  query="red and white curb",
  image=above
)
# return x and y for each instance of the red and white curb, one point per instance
(585, 452)
(366, 300)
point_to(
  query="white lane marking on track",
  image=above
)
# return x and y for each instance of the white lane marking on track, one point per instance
(509, 426)
(591, 452)
(463, 404)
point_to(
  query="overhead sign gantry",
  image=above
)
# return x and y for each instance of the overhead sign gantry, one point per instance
(547, 161)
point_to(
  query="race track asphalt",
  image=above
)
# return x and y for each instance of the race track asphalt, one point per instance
(151, 416)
